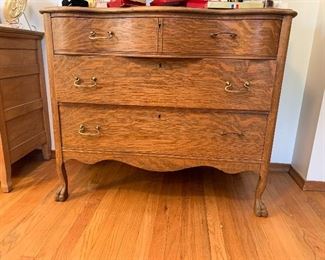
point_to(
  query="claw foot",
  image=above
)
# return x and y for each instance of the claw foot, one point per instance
(61, 194)
(260, 209)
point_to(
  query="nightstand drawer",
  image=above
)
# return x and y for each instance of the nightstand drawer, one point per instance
(222, 84)
(233, 37)
(124, 35)
(172, 132)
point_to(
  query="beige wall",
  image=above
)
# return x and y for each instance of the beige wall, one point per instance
(311, 106)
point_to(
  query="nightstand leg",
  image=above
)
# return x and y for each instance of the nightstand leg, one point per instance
(62, 192)
(46, 151)
(5, 178)
(259, 207)
(5, 170)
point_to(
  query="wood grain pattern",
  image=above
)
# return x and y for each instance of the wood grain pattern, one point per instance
(119, 212)
(12, 88)
(165, 96)
(18, 71)
(13, 57)
(18, 43)
(193, 36)
(164, 132)
(23, 104)
(5, 163)
(128, 35)
(165, 82)
(21, 129)
(160, 163)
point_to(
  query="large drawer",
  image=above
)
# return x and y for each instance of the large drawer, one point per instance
(82, 35)
(174, 132)
(221, 37)
(190, 83)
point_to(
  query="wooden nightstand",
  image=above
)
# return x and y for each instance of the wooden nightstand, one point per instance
(24, 123)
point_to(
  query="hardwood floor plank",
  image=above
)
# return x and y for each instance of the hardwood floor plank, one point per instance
(70, 226)
(214, 222)
(116, 211)
(311, 231)
(42, 219)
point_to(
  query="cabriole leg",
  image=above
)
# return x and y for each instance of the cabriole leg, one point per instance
(259, 207)
(62, 192)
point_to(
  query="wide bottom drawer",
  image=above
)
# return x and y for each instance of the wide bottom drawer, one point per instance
(163, 131)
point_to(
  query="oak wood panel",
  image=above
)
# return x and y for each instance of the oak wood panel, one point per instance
(165, 82)
(235, 37)
(14, 57)
(18, 71)
(164, 131)
(23, 106)
(128, 35)
(46, 147)
(11, 32)
(5, 163)
(12, 89)
(17, 43)
(159, 163)
(23, 109)
(24, 127)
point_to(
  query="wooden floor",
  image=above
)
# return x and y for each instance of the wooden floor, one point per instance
(119, 212)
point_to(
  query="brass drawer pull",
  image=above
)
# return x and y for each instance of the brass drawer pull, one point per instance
(92, 36)
(77, 83)
(83, 131)
(240, 134)
(215, 35)
(229, 87)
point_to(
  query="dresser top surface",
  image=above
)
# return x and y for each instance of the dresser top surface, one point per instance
(171, 9)
(17, 31)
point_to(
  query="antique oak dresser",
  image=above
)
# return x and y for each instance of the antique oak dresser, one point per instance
(167, 88)
(24, 124)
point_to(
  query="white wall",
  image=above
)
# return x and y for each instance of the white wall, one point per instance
(316, 170)
(308, 159)
(295, 73)
(300, 45)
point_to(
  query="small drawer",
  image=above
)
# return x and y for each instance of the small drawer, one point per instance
(174, 132)
(222, 84)
(221, 37)
(23, 128)
(11, 90)
(82, 35)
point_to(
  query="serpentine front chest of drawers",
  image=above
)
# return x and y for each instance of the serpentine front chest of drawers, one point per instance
(166, 88)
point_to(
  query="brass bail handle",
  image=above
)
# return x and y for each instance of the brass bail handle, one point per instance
(217, 34)
(239, 134)
(93, 35)
(83, 131)
(229, 88)
(93, 83)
